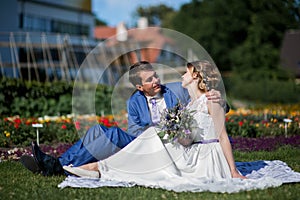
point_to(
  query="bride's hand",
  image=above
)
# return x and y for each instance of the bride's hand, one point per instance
(186, 142)
(236, 174)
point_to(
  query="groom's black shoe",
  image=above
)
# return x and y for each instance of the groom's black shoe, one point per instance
(30, 163)
(49, 165)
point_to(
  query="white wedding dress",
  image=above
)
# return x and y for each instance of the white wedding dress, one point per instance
(148, 162)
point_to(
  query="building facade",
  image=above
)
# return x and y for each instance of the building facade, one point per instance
(55, 40)
(50, 16)
(44, 40)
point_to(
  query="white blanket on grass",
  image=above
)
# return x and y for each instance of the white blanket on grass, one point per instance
(261, 175)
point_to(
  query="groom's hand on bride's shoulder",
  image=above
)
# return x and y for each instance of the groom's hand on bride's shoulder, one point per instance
(215, 96)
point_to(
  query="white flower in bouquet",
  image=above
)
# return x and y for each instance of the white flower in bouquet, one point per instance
(176, 123)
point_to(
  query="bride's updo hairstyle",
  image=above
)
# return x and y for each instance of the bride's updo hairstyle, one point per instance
(135, 69)
(207, 74)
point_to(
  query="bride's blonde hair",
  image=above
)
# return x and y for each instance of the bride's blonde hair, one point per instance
(207, 74)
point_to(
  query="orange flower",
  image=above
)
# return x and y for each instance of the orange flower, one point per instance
(267, 124)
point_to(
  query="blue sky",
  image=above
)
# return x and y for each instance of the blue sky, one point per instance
(116, 11)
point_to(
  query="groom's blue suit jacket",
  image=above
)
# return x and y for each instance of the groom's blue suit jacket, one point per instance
(101, 142)
(139, 117)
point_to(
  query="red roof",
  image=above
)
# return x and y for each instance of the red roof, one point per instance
(104, 32)
(152, 37)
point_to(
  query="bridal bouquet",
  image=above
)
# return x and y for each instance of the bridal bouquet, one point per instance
(176, 125)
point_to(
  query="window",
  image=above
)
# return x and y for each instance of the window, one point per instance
(37, 23)
(34, 23)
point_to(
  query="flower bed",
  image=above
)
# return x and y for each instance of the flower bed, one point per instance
(16, 152)
(261, 122)
(238, 144)
(264, 143)
(248, 127)
(16, 131)
(251, 130)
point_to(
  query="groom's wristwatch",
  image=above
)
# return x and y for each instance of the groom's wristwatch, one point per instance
(227, 108)
(225, 105)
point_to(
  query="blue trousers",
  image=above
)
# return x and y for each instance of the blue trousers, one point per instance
(98, 143)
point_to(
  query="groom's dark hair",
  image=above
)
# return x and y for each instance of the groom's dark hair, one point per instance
(135, 69)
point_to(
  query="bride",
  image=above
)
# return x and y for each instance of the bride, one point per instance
(207, 161)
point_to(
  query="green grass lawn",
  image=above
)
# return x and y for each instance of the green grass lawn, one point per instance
(18, 183)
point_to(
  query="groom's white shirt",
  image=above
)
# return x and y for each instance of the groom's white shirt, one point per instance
(160, 101)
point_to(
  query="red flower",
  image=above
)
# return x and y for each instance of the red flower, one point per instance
(241, 123)
(63, 126)
(77, 125)
(17, 121)
(105, 121)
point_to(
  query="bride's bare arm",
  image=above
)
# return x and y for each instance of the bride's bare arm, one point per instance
(218, 116)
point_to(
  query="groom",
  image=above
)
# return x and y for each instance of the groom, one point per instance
(101, 142)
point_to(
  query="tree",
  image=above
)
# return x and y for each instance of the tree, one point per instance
(216, 25)
(99, 22)
(239, 34)
(245, 37)
(155, 14)
(268, 22)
